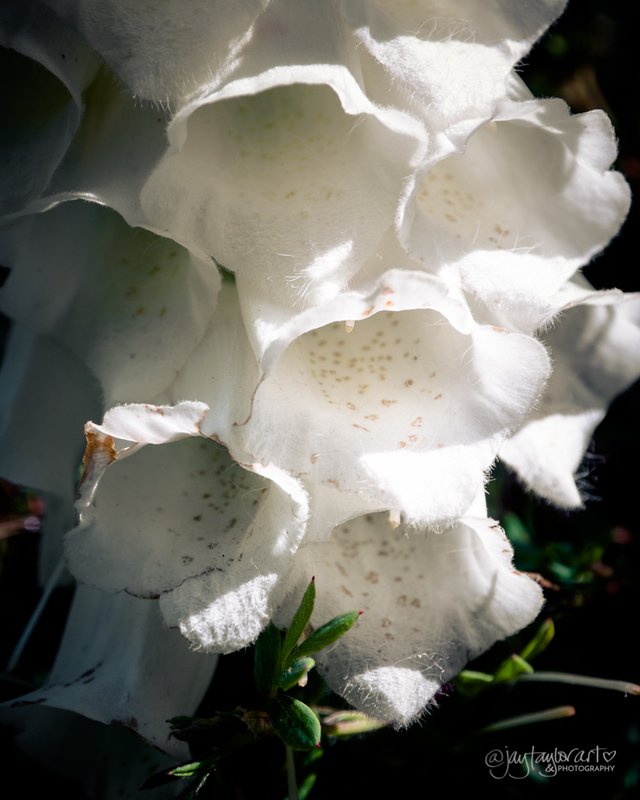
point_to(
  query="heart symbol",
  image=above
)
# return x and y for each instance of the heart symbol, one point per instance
(608, 755)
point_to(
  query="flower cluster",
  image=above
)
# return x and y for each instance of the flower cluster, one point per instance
(315, 266)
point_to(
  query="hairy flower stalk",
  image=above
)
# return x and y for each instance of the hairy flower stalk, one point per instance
(304, 274)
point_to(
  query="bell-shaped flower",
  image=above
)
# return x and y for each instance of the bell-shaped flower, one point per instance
(103, 313)
(407, 411)
(128, 674)
(165, 513)
(595, 347)
(131, 305)
(446, 61)
(168, 514)
(529, 201)
(431, 601)
(279, 113)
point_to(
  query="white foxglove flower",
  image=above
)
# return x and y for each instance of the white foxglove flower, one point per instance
(279, 113)
(169, 514)
(530, 200)
(223, 548)
(402, 220)
(131, 305)
(431, 602)
(103, 313)
(126, 674)
(405, 412)
(595, 347)
(445, 61)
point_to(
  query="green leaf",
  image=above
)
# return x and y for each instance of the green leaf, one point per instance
(325, 635)
(295, 672)
(267, 659)
(299, 621)
(306, 786)
(294, 722)
(188, 770)
(191, 769)
(540, 641)
(349, 723)
(511, 668)
(469, 682)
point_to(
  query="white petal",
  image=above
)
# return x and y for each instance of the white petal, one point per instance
(406, 411)
(130, 304)
(46, 70)
(135, 673)
(184, 521)
(165, 52)
(277, 185)
(446, 61)
(431, 602)
(595, 347)
(528, 202)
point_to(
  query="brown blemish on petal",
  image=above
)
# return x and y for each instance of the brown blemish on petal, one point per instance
(99, 452)
(314, 458)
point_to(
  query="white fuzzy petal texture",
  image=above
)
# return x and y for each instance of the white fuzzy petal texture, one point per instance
(448, 62)
(274, 180)
(166, 52)
(595, 347)
(529, 201)
(131, 305)
(405, 412)
(431, 602)
(182, 521)
(127, 674)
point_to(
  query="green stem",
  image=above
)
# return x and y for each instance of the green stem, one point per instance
(530, 719)
(581, 680)
(291, 775)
